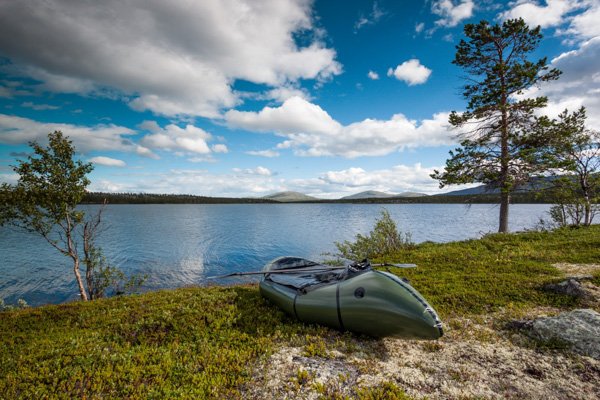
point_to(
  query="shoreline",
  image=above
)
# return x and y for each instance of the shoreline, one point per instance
(216, 342)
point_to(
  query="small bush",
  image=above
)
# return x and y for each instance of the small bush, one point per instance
(384, 239)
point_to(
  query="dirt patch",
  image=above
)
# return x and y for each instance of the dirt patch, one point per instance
(487, 364)
(578, 270)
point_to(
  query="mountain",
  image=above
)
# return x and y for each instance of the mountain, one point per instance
(285, 197)
(369, 194)
(373, 194)
(483, 189)
(535, 184)
(411, 194)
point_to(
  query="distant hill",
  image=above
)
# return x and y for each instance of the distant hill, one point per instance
(286, 197)
(369, 194)
(536, 184)
(374, 194)
(483, 189)
(411, 194)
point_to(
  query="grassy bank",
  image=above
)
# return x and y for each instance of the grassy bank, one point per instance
(209, 342)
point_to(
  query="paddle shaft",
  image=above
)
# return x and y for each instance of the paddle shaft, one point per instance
(297, 270)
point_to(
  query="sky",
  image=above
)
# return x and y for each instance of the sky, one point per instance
(245, 98)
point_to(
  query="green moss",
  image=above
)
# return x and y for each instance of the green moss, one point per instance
(207, 342)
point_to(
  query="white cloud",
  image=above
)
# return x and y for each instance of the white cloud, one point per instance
(411, 72)
(199, 182)
(285, 92)
(220, 148)
(452, 14)
(175, 58)
(586, 24)
(374, 16)
(534, 14)
(264, 153)
(294, 115)
(190, 139)
(373, 75)
(17, 130)
(9, 178)
(107, 161)
(260, 181)
(254, 171)
(400, 178)
(310, 131)
(579, 85)
(419, 27)
(39, 107)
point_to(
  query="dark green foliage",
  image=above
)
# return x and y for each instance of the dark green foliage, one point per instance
(51, 184)
(496, 148)
(150, 198)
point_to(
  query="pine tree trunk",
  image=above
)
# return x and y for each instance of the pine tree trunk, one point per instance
(504, 204)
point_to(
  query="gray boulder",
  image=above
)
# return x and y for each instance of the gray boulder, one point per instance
(577, 329)
(570, 287)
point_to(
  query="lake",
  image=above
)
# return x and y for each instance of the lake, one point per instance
(179, 245)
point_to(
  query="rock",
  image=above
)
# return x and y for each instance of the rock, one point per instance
(577, 329)
(570, 287)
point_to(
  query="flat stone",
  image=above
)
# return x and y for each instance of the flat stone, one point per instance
(579, 329)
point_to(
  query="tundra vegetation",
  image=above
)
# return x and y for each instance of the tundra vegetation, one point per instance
(216, 342)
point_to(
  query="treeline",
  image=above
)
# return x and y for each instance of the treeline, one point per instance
(149, 198)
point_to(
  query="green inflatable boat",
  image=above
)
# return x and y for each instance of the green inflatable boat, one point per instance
(354, 298)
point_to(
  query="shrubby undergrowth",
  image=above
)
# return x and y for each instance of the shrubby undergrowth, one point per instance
(383, 240)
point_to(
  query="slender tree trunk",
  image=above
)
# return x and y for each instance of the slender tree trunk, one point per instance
(84, 296)
(587, 206)
(72, 250)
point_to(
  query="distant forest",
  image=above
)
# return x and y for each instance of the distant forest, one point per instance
(148, 198)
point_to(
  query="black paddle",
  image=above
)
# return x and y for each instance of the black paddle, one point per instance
(297, 270)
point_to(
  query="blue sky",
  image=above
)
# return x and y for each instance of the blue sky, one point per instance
(247, 98)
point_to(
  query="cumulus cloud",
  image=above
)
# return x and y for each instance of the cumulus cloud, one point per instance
(198, 182)
(190, 139)
(293, 116)
(17, 130)
(411, 72)
(400, 178)
(310, 131)
(264, 153)
(220, 148)
(585, 24)
(107, 161)
(550, 14)
(451, 13)
(172, 58)
(373, 75)
(260, 181)
(579, 85)
(254, 171)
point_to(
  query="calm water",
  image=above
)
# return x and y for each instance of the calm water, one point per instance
(178, 245)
